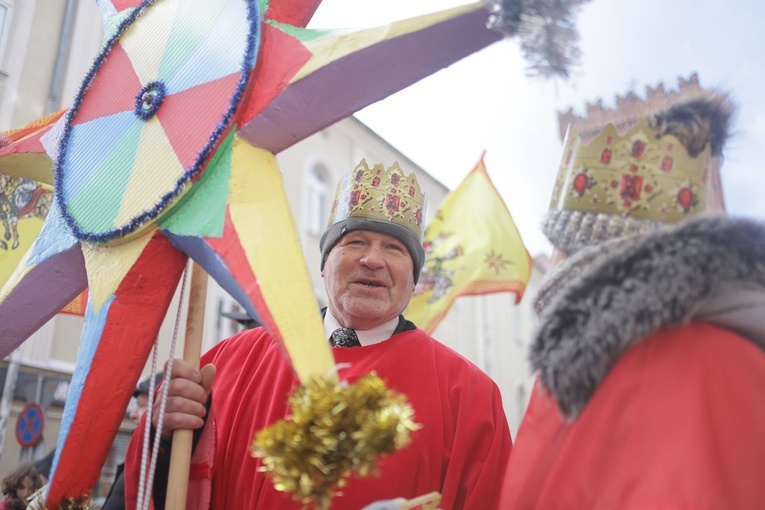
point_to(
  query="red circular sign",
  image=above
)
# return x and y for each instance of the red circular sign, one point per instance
(29, 426)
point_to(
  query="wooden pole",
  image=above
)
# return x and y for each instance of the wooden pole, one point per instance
(180, 455)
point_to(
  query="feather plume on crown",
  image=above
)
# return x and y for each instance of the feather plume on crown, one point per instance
(704, 118)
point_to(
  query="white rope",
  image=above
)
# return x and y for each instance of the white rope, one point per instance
(146, 479)
(147, 428)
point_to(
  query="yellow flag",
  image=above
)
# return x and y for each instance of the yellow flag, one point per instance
(472, 246)
(24, 203)
(23, 206)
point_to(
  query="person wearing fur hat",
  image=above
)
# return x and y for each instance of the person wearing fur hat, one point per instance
(649, 357)
(371, 259)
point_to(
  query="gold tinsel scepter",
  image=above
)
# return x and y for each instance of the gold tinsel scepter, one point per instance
(335, 430)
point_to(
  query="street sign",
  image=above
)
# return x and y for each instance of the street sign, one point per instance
(29, 426)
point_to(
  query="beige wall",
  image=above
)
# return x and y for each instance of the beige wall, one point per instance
(35, 30)
(35, 74)
(85, 44)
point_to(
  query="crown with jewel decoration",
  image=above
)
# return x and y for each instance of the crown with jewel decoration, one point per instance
(661, 170)
(380, 194)
(633, 175)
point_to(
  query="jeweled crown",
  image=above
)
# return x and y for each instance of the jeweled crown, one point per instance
(633, 174)
(380, 195)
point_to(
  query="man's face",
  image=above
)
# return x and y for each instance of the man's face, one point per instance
(369, 279)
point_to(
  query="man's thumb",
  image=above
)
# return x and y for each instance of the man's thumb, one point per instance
(208, 375)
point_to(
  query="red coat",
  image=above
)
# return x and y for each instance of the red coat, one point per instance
(677, 424)
(461, 451)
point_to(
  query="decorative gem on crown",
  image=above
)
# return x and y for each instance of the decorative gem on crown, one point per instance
(380, 195)
(634, 174)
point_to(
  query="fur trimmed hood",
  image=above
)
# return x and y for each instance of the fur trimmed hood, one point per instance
(663, 279)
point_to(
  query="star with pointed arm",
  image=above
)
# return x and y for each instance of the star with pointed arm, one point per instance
(168, 152)
(496, 261)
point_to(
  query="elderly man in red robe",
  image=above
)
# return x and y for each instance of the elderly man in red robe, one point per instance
(371, 259)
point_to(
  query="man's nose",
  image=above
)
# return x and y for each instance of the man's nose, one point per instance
(373, 257)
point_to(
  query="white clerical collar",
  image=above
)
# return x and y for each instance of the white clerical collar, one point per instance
(367, 336)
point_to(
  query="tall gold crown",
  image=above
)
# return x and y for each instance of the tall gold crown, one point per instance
(633, 175)
(380, 195)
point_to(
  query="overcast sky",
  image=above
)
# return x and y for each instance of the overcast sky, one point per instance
(486, 101)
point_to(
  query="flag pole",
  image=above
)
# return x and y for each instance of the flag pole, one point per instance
(180, 454)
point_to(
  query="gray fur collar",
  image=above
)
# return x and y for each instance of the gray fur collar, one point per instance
(656, 281)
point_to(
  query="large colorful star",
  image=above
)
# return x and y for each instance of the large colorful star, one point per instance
(168, 152)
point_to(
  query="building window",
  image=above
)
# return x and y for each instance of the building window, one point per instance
(317, 199)
(226, 326)
(5, 22)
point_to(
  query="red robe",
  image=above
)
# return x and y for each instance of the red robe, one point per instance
(461, 450)
(677, 424)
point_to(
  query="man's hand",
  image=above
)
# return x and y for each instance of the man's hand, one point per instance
(186, 398)
(389, 504)
(428, 501)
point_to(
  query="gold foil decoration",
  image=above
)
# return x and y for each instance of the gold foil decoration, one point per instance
(335, 430)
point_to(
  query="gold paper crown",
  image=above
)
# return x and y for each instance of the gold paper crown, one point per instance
(633, 175)
(380, 195)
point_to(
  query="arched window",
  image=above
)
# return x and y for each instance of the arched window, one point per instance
(317, 199)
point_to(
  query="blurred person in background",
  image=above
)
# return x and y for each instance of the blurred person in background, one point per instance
(19, 486)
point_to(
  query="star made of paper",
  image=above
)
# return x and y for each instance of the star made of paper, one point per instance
(168, 152)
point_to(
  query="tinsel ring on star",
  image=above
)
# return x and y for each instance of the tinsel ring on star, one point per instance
(107, 179)
(335, 430)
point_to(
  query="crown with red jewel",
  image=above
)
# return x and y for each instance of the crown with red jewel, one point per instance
(380, 194)
(634, 174)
